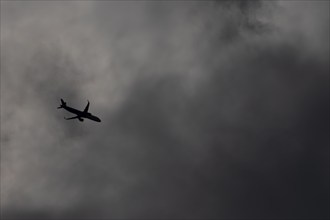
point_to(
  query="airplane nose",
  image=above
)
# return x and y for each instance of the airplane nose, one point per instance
(94, 118)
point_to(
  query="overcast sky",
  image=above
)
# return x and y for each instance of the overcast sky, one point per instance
(209, 109)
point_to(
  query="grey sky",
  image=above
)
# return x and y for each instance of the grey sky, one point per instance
(208, 109)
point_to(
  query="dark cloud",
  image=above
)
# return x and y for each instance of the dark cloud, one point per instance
(209, 111)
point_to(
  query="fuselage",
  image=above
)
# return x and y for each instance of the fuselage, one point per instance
(82, 114)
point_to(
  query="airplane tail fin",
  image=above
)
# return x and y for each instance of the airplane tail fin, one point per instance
(63, 104)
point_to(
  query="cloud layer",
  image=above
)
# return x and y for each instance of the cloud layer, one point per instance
(209, 110)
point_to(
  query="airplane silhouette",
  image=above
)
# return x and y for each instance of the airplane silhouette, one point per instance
(80, 114)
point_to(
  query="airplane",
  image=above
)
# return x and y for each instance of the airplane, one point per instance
(80, 114)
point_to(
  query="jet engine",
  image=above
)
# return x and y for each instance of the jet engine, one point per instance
(81, 119)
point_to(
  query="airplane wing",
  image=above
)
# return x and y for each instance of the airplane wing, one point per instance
(87, 106)
(72, 117)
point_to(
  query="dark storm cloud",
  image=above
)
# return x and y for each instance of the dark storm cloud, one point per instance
(209, 110)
